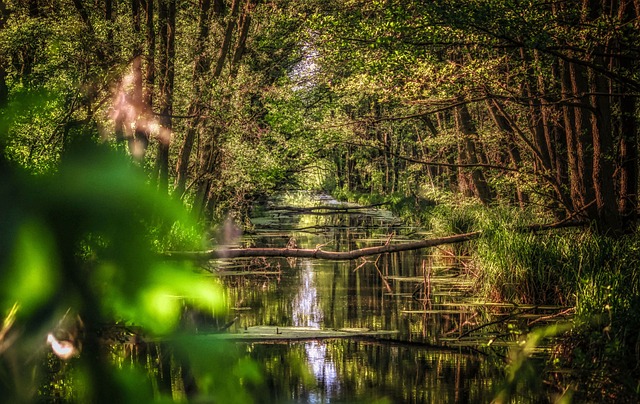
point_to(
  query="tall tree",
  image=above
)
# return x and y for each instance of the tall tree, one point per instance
(167, 24)
(201, 66)
(4, 90)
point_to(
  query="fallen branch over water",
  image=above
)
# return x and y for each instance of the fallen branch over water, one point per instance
(272, 333)
(330, 208)
(318, 253)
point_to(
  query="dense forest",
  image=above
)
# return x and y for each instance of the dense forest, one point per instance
(132, 128)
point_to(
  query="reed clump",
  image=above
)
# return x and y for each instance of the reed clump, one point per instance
(597, 275)
(523, 267)
(603, 349)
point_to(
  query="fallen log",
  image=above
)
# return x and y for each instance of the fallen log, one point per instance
(316, 253)
(331, 208)
(273, 333)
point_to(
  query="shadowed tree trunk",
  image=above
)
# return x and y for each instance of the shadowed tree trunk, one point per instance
(603, 154)
(628, 161)
(244, 24)
(512, 149)
(167, 24)
(579, 138)
(627, 128)
(201, 66)
(139, 142)
(210, 155)
(4, 90)
(535, 115)
(468, 132)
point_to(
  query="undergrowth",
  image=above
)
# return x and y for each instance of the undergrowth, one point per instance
(596, 275)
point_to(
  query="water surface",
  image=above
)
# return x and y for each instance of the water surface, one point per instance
(425, 295)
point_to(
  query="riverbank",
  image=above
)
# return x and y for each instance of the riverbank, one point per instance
(597, 276)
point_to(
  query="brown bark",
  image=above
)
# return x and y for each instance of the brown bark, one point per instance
(210, 155)
(628, 160)
(348, 255)
(628, 131)
(167, 24)
(608, 216)
(558, 139)
(201, 65)
(4, 90)
(226, 42)
(555, 140)
(241, 45)
(579, 137)
(139, 141)
(545, 111)
(317, 253)
(150, 69)
(468, 131)
(571, 138)
(331, 209)
(536, 122)
(511, 146)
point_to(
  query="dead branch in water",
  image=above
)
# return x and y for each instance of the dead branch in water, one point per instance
(317, 253)
(331, 208)
(341, 255)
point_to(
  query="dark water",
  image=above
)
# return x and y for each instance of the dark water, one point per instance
(427, 299)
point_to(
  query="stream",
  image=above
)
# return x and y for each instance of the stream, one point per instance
(434, 357)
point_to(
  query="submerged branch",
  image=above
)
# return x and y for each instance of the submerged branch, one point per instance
(318, 253)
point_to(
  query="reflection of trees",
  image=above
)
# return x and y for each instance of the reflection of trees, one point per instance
(348, 298)
(372, 370)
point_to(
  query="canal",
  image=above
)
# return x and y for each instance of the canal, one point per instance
(439, 351)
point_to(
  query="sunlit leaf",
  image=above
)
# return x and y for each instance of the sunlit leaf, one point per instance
(33, 276)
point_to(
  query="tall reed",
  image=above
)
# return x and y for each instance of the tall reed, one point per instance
(597, 275)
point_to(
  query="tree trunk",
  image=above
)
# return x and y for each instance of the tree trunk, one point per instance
(139, 141)
(226, 42)
(245, 24)
(201, 65)
(628, 161)
(108, 17)
(468, 131)
(603, 155)
(167, 24)
(150, 70)
(628, 130)
(512, 148)
(210, 150)
(579, 138)
(4, 90)
(536, 122)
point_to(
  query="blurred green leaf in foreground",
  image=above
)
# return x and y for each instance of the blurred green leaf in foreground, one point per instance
(76, 257)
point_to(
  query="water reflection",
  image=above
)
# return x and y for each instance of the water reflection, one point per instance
(307, 313)
(413, 366)
(366, 371)
(305, 310)
(324, 371)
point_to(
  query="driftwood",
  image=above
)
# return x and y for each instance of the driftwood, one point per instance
(344, 255)
(273, 333)
(324, 208)
(317, 253)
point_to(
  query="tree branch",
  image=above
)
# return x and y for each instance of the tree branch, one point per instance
(317, 253)
(433, 163)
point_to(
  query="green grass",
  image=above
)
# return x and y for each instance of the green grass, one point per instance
(597, 275)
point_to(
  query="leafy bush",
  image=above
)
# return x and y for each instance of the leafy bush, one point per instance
(78, 255)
